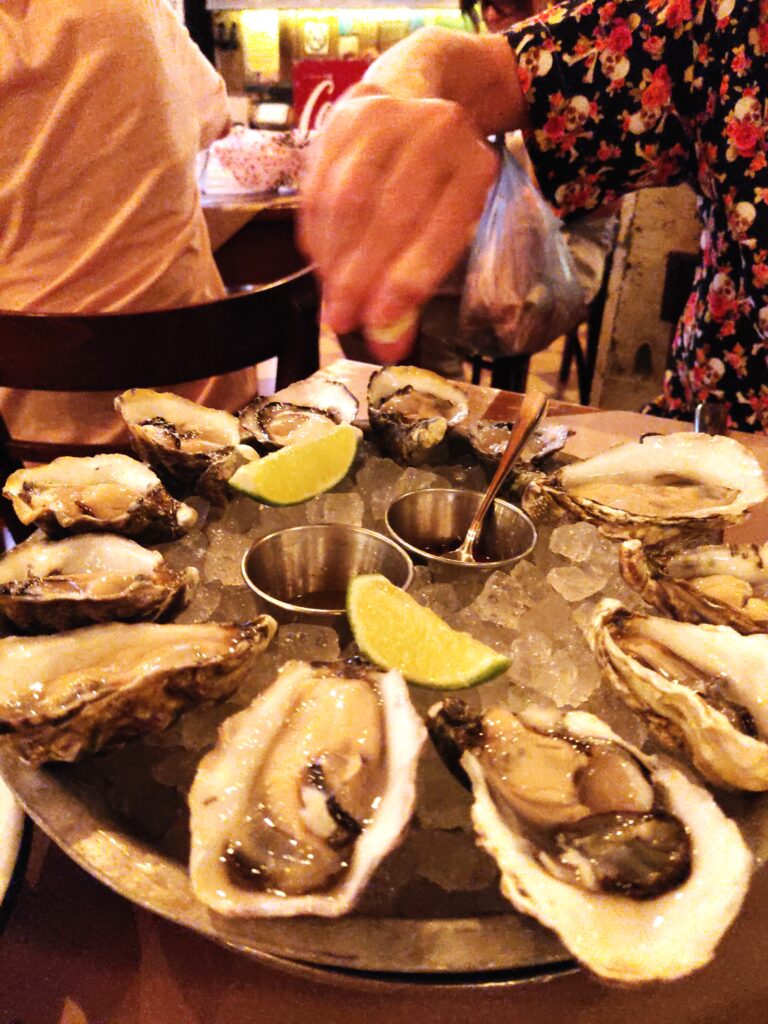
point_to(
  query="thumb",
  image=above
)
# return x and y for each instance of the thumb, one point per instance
(393, 343)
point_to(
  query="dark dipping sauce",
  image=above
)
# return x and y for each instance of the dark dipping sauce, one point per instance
(441, 547)
(328, 600)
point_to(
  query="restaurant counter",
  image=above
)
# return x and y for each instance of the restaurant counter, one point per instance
(252, 237)
(73, 952)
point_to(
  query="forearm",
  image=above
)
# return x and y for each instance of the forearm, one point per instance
(479, 73)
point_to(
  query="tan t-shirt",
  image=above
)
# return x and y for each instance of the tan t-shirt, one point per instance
(105, 104)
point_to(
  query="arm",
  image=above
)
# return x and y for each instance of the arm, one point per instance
(608, 88)
(399, 177)
(475, 72)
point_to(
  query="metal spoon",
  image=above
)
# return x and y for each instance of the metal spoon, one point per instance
(531, 411)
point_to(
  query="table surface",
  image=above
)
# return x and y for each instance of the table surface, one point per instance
(225, 215)
(73, 952)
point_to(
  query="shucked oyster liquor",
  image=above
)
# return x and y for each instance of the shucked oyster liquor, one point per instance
(105, 493)
(723, 584)
(49, 585)
(683, 483)
(633, 865)
(489, 439)
(71, 694)
(193, 448)
(701, 689)
(305, 792)
(411, 410)
(300, 412)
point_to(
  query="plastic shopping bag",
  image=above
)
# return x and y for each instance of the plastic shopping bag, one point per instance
(521, 290)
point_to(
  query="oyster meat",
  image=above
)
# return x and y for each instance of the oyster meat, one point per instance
(681, 484)
(71, 694)
(723, 584)
(701, 689)
(50, 585)
(412, 410)
(305, 792)
(191, 447)
(489, 438)
(104, 493)
(302, 411)
(632, 864)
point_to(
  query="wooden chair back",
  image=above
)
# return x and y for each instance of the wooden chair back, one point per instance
(115, 351)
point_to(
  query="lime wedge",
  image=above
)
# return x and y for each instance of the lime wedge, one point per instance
(394, 631)
(300, 471)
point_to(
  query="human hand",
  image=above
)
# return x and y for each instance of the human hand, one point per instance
(393, 191)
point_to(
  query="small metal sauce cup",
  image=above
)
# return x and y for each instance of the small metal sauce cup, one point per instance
(435, 518)
(305, 560)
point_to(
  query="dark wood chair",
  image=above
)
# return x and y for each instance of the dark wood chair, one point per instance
(586, 357)
(508, 373)
(114, 351)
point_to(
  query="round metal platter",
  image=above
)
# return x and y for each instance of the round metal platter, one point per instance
(354, 950)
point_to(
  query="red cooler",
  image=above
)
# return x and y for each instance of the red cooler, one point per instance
(317, 84)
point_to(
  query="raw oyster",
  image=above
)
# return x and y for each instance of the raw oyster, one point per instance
(299, 412)
(489, 438)
(412, 410)
(701, 689)
(191, 447)
(50, 585)
(71, 694)
(305, 792)
(656, 490)
(104, 493)
(633, 865)
(723, 584)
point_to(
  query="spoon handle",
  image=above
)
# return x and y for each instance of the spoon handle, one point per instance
(533, 408)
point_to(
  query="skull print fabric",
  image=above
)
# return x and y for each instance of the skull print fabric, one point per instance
(627, 94)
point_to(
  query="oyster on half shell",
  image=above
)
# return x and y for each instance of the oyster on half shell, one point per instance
(104, 493)
(302, 411)
(723, 584)
(700, 689)
(50, 585)
(305, 792)
(412, 410)
(68, 695)
(632, 864)
(682, 484)
(191, 447)
(489, 438)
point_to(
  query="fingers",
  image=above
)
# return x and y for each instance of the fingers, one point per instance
(429, 254)
(393, 343)
(392, 189)
(371, 237)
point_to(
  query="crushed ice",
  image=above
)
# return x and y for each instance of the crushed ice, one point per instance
(535, 612)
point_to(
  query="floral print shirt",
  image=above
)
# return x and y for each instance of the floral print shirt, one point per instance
(626, 94)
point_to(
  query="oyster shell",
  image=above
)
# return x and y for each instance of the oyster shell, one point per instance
(299, 412)
(632, 864)
(191, 447)
(104, 493)
(725, 585)
(305, 792)
(489, 438)
(681, 484)
(50, 585)
(700, 689)
(71, 694)
(411, 410)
